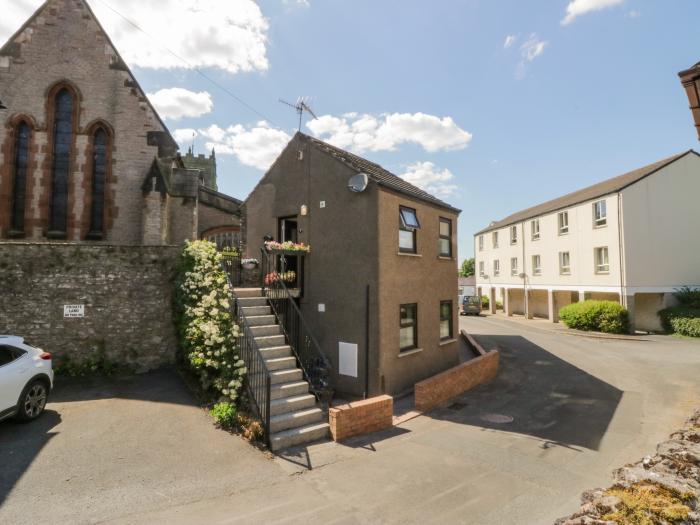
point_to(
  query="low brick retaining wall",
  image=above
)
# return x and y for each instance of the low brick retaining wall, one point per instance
(361, 417)
(455, 381)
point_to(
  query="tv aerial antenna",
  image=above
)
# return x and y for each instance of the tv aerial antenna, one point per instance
(301, 106)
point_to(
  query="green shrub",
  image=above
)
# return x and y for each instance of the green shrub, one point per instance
(499, 305)
(681, 320)
(484, 302)
(225, 415)
(600, 316)
(689, 297)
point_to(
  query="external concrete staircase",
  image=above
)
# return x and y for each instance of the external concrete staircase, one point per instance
(295, 416)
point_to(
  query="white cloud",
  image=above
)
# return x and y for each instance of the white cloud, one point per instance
(184, 137)
(510, 40)
(634, 14)
(428, 177)
(299, 3)
(230, 35)
(176, 103)
(257, 146)
(532, 48)
(364, 132)
(581, 7)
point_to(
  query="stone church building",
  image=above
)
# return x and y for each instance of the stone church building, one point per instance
(84, 156)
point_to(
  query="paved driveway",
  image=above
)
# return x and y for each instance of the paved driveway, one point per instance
(563, 413)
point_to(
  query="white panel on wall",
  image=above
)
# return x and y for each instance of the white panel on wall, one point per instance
(347, 359)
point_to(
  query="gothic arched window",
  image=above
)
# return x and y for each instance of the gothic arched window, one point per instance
(19, 185)
(100, 156)
(62, 142)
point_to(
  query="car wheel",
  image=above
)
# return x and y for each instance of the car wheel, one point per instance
(33, 400)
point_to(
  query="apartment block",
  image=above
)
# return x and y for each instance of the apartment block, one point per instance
(633, 239)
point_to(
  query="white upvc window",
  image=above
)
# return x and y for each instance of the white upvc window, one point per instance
(514, 266)
(514, 235)
(602, 263)
(535, 229)
(481, 268)
(600, 214)
(563, 219)
(536, 265)
(496, 268)
(564, 263)
(494, 239)
(481, 243)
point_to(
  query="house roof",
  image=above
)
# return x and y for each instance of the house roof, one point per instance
(606, 187)
(378, 174)
(467, 281)
(6, 49)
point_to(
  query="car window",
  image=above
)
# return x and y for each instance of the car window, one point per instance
(9, 354)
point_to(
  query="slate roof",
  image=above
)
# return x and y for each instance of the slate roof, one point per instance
(606, 187)
(378, 174)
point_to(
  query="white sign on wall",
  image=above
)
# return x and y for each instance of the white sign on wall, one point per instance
(74, 310)
(347, 359)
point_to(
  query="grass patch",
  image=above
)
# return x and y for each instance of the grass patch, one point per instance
(646, 503)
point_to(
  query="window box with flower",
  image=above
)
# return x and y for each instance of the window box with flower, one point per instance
(249, 264)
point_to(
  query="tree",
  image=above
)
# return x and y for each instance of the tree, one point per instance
(467, 269)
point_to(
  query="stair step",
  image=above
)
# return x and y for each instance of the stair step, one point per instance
(281, 363)
(285, 390)
(273, 352)
(289, 375)
(299, 418)
(261, 330)
(299, 436)
(248, 292)
(256, 310)
(259, 320)
(252, 301)
(291, 404)
(269, 340)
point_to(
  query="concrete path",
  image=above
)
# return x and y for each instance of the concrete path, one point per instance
(562, 414)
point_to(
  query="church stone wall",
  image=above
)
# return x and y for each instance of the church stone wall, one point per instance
(126, 292)
(64, 44)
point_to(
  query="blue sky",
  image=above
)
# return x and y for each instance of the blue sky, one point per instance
(491, 127)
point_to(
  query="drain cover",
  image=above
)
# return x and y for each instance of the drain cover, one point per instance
(497, 418)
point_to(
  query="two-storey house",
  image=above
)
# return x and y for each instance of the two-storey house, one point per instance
(379, 286)
(633, 239)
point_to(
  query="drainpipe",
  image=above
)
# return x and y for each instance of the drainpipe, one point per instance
(524, 275)
(621, 247)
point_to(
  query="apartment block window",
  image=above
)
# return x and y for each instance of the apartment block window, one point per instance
(564, 263)
(602, 264)
(563, 223)
(496, 268)
(408, 225)
(535, 229)
(409, 327)
(481, 268)
(494, 239)
(536, 265)
(514, 266)
(600, 214)
(514, 235)
(445, 240)
(481, 243)
(445, 320)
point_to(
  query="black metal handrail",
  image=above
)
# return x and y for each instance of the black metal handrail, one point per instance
(232, 267)
(313, 362)
(257, 378)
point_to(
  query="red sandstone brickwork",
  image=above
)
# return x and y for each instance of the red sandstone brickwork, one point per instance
(450, 383)
(361, 417)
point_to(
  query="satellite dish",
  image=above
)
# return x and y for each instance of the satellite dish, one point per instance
(358, 183)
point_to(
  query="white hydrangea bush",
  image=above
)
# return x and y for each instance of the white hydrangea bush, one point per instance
(208, 331)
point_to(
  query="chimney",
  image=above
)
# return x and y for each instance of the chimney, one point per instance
(690, 79)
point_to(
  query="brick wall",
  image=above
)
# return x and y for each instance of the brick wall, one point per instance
(453, 382)
(127, 293)
(361, 417)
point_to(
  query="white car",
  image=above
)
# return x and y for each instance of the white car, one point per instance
(26, 379)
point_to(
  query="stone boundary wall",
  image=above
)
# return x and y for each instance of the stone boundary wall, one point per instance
(361, 417)
(126, 291)
(448, 384)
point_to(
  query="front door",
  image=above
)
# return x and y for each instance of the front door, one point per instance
(288, 231)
